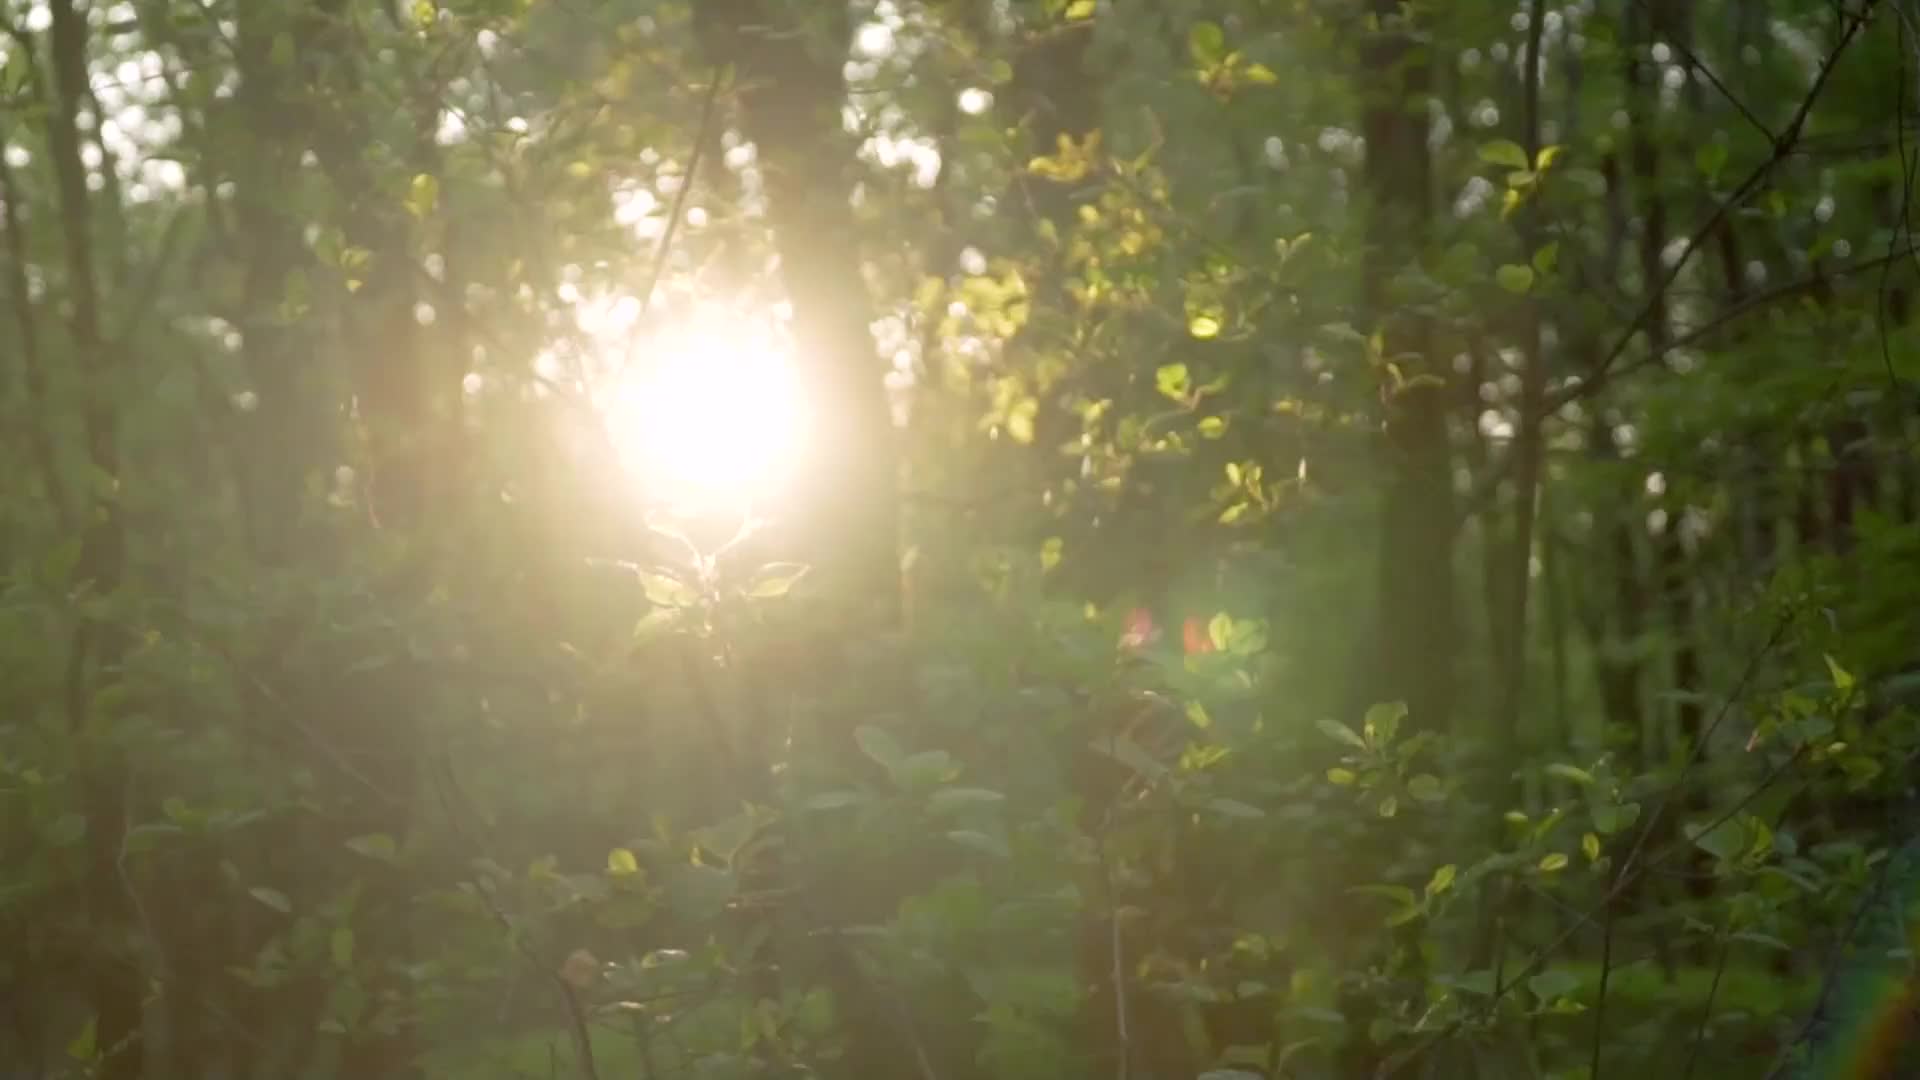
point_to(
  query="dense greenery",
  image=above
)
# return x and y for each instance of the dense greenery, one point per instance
(1338, 540)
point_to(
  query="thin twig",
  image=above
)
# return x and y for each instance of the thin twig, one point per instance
(1600, 992)
(1695, 63)
(1631, 869)
(703, 133)
(1706, 1010)
(1783, 147)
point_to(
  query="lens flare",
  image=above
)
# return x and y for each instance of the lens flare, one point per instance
(711, 417)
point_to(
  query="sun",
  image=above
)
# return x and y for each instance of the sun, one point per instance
(710, 417)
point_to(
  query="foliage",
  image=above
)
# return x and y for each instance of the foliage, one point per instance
(1345, 540)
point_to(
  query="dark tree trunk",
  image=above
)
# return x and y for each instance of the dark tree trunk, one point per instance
(1415, 619)
(98, 645)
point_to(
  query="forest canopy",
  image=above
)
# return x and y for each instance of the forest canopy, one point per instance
(959, 539)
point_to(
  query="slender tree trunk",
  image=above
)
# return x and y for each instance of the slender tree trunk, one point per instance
(33, 371)
(1415, 621)
(1528, 444)
(98, 645)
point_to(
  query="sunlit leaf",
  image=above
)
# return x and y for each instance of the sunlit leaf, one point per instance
(775, 579)
(1050, 552)
(1172, 381)
(1503, 152)
(665, 590)
(423, 195)
(1339, 732)
(1553, 863)
(272, 898)
(1206, 43)
(1514, 277)
(1382, 722)
(621, 862)
(1842, 679)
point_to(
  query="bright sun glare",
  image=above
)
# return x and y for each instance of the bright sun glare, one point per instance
(710, 416)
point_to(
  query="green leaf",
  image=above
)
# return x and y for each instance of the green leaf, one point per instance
(1553, 863)
(378, 846)
(1475, 982)
(1335, 730)
(1442, 879)
(1382, 722)
(1552, 984)
(423, 195)
(1514, 278)
(1051, 551)
(1197, 715)
(1426, 788)
(1548, 257)
(954, 799)
(664, 590)
(1504, 152)
(1610, 818)
(1590, 847)
(880, 746)
(1571, 773)
(1842, 680)
(1172, 381)
(981, 842)
(654, 623)
(273, 898)
(1723, 841)
(1204, 326)
(1546, 157)
(1080, 9)
(621, 863)
(1342, 777)
(775, 579)
(1206, 43)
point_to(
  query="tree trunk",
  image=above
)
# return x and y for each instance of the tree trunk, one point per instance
(98, 645)
(1414, 623)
